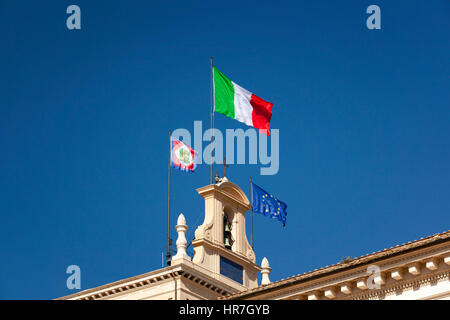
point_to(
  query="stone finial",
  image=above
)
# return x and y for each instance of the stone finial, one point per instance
(265, 272)
(181, 228)
(181, 220)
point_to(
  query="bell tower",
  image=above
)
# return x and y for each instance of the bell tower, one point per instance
(220, 243)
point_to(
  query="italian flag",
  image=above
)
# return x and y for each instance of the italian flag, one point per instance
(237, 103)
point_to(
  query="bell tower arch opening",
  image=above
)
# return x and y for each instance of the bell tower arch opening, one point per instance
(228, 228)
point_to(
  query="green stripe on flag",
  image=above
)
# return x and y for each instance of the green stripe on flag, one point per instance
(223, 94)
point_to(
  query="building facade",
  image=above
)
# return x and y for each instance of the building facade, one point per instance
(223, 266)
(418, 270)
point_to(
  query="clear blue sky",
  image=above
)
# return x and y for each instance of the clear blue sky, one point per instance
(84, 115)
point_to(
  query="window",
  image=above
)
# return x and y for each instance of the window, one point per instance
(231, 270)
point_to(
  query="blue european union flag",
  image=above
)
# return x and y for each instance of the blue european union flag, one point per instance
(268, 205)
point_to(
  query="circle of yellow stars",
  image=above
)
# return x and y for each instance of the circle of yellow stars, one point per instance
(266, 205)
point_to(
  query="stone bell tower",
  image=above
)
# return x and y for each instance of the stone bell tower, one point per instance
(220, 243)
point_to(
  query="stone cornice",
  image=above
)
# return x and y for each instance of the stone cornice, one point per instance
(149, 279)
(403, 285)
(227, 253)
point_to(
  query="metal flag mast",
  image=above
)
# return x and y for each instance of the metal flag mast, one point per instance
(212, 118)
(168, 254)
(251, 212)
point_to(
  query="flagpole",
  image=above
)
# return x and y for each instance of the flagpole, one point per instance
(251, 212)
(212, 118)
(168, 205)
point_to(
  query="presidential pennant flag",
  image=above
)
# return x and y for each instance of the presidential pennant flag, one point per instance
(238, 103)
(182, 157)
(267, 204)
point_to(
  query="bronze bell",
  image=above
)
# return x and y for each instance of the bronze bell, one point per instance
(227, 243)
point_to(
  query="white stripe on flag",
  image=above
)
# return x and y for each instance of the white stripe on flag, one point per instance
(242, 107)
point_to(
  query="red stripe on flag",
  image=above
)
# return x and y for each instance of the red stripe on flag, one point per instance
(261, 114)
